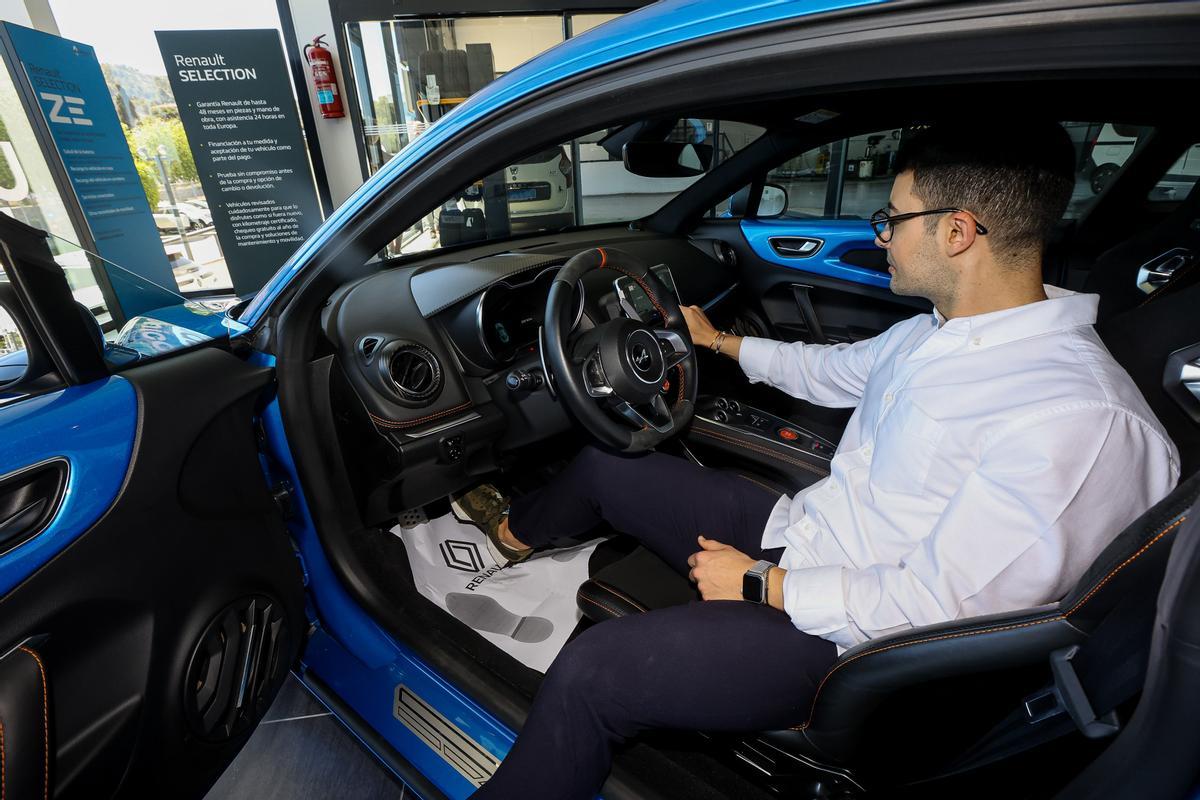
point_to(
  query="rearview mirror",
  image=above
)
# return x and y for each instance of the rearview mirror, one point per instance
(667, 159)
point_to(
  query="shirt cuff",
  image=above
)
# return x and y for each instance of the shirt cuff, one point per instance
(814, 599)
(754, 357)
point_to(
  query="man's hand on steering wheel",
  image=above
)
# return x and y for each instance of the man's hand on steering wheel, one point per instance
(702, 330)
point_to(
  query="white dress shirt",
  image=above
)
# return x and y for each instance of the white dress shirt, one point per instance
(988, 461)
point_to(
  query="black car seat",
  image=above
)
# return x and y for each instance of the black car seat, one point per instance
(902, 708)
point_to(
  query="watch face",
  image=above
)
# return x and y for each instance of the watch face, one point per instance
(752, 587)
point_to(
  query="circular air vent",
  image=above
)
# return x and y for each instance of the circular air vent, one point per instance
(414, 372)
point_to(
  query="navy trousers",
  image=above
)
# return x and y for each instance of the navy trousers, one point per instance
(720, 665)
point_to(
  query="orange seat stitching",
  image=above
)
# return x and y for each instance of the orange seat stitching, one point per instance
(598, 604)
(45, 725)
(391, 423)
(619, 594)
(1055, 618)
(1124, 563)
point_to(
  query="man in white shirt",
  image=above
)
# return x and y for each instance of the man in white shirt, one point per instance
(994, 450)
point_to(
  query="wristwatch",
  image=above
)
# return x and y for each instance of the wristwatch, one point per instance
(754, 582)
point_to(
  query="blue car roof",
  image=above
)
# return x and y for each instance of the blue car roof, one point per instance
(666, 23)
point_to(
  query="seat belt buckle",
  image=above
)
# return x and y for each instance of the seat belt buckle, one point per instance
(1072, 697)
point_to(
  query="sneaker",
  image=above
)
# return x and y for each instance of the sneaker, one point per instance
(485, 507)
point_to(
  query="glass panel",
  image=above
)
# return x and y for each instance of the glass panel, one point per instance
(1101, 149)
(581, 23)
(409, 74)
(10, 335)
(806, 180)
(1179, 179)
(869, 170)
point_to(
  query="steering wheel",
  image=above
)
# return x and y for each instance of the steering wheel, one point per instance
(622, 367)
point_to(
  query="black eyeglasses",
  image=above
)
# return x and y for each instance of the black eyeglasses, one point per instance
(883, 223)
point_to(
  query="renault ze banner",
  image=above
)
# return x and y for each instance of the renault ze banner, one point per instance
(64, 78)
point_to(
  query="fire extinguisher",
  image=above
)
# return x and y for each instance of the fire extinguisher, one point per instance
(320, 60)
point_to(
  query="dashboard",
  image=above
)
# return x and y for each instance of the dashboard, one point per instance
(434, 363)
(424, 342)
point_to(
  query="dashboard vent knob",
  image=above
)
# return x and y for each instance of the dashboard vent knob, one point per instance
(414, 372)
(367, 346)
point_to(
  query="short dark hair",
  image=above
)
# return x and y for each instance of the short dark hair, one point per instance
(1017, 179)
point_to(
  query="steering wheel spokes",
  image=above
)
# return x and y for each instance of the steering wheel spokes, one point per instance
(594, 379)
(674, 347)
(655, 415)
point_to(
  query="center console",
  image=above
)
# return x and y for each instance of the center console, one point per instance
(727, 413)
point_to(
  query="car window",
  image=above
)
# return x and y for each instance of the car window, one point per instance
(1101, 150)
(580, 182)
(1180, 178)
(851, 178)
(12, 350)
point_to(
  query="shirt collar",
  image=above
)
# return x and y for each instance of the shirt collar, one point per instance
(1061, 310)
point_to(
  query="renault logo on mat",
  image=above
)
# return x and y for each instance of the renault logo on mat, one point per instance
(462, 555)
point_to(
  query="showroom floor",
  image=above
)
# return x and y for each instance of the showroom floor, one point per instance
(300, 751)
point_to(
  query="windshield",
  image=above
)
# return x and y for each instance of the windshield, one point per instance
(583, 181)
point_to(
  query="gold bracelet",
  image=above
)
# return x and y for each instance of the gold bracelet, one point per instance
(718, 341)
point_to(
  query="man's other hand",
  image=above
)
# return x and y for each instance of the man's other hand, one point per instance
(718, 569)
(702, 330)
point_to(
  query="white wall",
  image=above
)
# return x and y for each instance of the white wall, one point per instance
(336, 136)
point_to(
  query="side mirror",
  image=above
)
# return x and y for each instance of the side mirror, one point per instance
(774, 201)
(667, 159)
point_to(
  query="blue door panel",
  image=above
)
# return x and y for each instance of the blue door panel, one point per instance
(839, 235)
(358, 660)
(93, 428)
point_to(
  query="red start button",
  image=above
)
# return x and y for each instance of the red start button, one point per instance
(666, 386)
(788, 434)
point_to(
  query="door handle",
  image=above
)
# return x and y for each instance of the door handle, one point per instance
(795, 246)
(29, 499)
(1158, 271)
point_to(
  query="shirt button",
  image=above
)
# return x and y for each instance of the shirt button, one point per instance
(867, 451)
(977, 341)
(887, 398)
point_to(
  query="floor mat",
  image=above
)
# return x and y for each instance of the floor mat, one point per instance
(527, 610)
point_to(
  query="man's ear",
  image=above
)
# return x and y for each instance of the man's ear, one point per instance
(960, 233)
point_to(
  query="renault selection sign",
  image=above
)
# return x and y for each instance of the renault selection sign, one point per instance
(236, 104)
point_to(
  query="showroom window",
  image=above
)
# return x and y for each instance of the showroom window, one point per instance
(409, 74)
